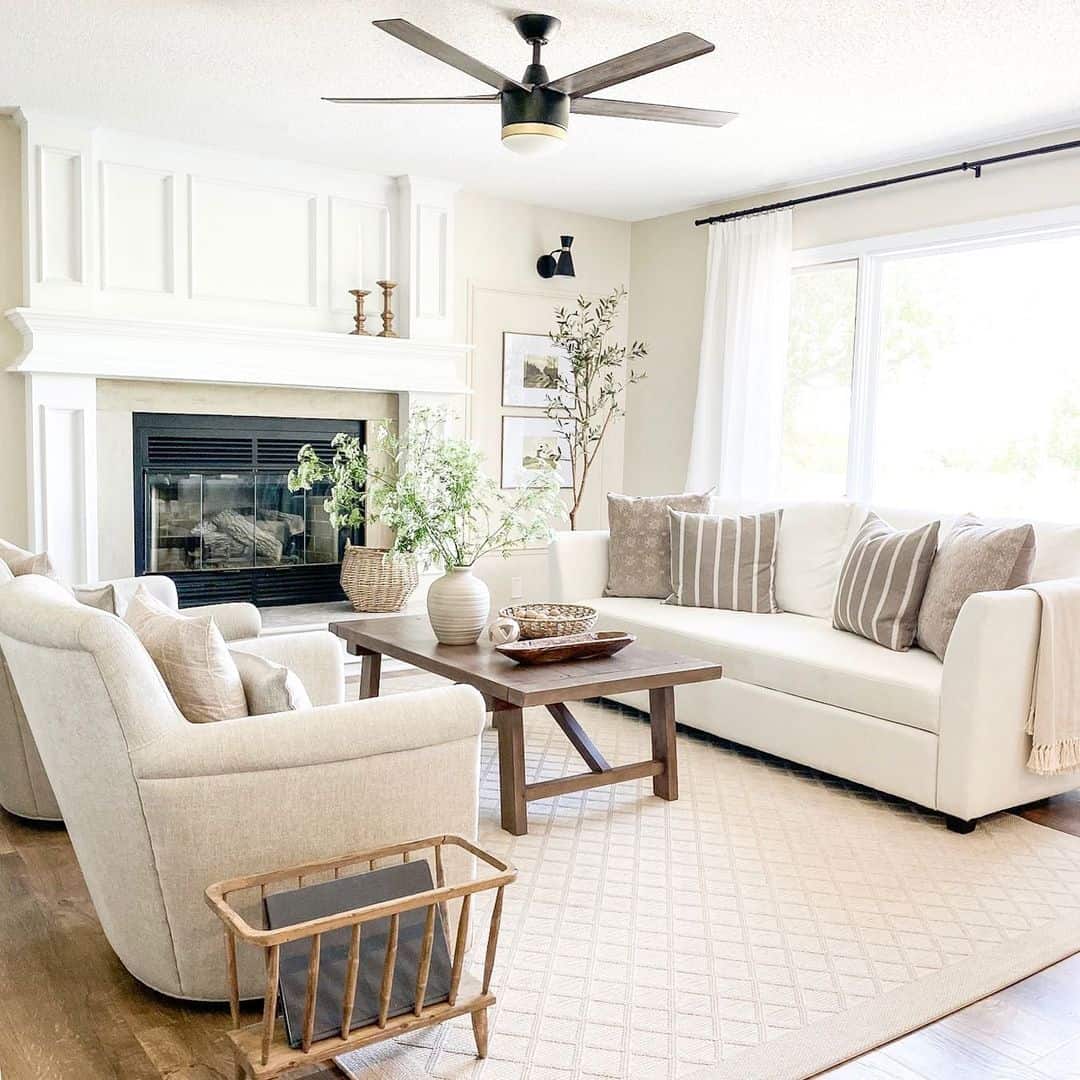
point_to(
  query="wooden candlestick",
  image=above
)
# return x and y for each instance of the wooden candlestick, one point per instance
(360, 316)
(387, 315)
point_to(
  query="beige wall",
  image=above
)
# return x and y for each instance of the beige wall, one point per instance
(668, 277)
(498, 243)
(13, 523)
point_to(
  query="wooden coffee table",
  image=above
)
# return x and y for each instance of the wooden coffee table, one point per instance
(508, 688)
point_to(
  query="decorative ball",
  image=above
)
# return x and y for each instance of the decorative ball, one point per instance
(504, 630)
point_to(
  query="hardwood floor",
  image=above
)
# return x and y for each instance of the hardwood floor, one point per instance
(69, 1011)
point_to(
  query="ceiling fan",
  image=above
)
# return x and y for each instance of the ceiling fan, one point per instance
(535, 109)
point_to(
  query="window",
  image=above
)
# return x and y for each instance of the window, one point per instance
(960, 390)
(817, 388)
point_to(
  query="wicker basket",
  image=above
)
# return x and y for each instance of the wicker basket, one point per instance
(551, 620)
(375, 581)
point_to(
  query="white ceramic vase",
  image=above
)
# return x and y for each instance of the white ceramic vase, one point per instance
(458, 606)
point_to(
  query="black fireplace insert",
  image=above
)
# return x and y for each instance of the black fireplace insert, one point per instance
(213, 509)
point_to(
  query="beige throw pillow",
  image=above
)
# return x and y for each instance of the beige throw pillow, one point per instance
(190, 653)
(724, 562)
(33, 564)
(269, 687)
(639, 551)
(102, 597)
(883, 580)
(972, 558)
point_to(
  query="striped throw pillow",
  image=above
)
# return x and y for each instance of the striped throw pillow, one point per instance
(724, 562)
(883, 580)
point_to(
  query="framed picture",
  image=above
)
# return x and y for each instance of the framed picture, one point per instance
(523, 437)
(531, 368)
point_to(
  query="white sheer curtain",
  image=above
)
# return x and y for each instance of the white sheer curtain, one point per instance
(739, 411)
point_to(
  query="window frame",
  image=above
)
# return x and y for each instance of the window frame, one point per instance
(871, 255)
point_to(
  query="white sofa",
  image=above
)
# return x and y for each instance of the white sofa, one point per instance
(948, 736)
(158, 808)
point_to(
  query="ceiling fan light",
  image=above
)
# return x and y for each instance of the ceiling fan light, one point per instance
(533, 139)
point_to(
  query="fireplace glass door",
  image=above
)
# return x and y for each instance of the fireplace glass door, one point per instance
(217, 514)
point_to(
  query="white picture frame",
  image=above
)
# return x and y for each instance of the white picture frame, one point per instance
(530, 362)
(520, 438)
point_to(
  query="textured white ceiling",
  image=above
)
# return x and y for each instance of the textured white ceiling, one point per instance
(825, 87)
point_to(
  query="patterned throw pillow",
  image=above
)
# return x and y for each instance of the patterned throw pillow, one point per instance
(639, 551)
(190, 653)
(883, 581)
(972, 558)
(724, 562)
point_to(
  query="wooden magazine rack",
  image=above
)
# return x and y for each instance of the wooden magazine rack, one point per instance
(261, 1050)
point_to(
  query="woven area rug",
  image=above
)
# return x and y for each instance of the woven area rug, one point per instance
(769, 924)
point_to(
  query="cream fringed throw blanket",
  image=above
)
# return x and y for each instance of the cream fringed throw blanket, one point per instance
(1054, 720)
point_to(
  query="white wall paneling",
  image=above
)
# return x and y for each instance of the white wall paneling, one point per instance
(359, 253)
(425, 265)
(59, 194)
(126, 225)
(251, 243)
(137, 219)
(61, 423)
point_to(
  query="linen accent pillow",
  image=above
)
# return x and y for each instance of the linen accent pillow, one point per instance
(972, 558)
(883, 580)
(33, 564)
(269, 687)
(102, 597)
(639, 550)
(190, 653)
(724, 562)
(12, 553)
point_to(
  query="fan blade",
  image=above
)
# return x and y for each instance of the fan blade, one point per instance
(641, 110)
(661, 54)
(476, 99)
(433, 46)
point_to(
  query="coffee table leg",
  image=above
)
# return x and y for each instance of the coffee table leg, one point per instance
(511, 728)
(662, 723)
(370, 673)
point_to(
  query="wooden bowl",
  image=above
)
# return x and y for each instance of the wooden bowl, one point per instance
(567, 647)
(551, 620)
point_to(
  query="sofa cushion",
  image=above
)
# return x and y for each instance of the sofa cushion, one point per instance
(724, 562)
(795, 654)
(639, 552)
(973, 558)
(269, 687)
(882, 582)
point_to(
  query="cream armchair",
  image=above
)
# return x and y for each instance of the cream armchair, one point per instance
(158, 808)
(24, 786)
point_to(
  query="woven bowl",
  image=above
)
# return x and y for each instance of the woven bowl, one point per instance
(551, 620)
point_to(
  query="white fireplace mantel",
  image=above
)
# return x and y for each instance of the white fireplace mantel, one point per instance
(65, 354)
(105, 347)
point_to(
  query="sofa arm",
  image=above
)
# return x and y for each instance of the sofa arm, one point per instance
(236, 621)
(985, 699)
(578, 565)
(314, 737)
(316, 657)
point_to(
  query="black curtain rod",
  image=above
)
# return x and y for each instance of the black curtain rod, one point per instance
(963, 166)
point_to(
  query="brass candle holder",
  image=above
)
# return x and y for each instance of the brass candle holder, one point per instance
(387, 315)
(359, 318)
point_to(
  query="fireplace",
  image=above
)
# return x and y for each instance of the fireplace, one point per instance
(213, 510)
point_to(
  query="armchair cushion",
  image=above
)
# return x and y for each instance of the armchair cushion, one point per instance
(193, 660)
(269, 687)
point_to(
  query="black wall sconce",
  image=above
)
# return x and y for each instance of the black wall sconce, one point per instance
(563, 266)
